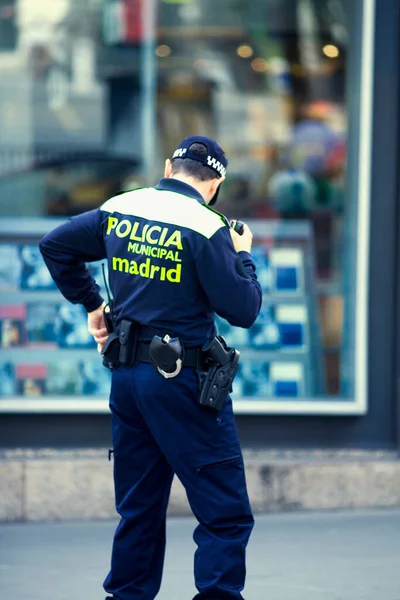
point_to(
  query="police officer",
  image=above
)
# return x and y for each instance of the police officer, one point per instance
(173, 263)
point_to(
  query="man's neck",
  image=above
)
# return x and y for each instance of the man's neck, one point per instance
(194, 183)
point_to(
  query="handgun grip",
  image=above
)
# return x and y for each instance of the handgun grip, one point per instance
(218, 352)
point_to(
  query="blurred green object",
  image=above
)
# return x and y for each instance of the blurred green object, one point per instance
(293, 192)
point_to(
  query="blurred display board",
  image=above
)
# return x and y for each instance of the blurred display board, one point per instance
(49, 362)
(281, 354)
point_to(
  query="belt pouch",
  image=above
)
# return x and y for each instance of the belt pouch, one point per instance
(128, 339)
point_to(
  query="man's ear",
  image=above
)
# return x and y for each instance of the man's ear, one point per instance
(168, 169)
(215, 183)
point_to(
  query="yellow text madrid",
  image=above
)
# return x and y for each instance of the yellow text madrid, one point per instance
(147, 269)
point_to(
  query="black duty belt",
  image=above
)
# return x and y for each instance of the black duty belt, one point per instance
(193, 357)
(217, 366)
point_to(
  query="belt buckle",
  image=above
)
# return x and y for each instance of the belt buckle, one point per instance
(174, 373)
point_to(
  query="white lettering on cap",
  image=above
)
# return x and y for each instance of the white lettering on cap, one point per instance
(216, 165)
(179, 153)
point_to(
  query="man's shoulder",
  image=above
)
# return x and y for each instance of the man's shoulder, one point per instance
(167, 207)
(197, 216)
(120, 201)
(218, 217)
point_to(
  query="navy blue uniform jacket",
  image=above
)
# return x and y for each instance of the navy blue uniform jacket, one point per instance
(171, 262)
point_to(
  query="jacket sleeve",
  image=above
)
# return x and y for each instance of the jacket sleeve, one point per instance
(229, 280)
(65, 251)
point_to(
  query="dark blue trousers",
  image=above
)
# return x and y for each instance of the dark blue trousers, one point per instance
(160, 429)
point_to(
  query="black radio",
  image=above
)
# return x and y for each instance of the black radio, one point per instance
(237, 226)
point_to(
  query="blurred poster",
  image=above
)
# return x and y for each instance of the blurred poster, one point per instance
(34, 273)
(279, 270)
(60, 325)
(12, 325)
(7, 379)
(31, 379)
(94, 379)
(287, 379)
(71, 328)
(287, 270)
(63, 378)
(41, 324)
(279, 328)
(292, 325)
(10, 267)
(269, 379)
(253, 379)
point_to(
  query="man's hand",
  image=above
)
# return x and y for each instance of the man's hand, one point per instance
(97, 327)
(242, 242)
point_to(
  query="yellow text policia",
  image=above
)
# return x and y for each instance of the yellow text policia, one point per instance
(154, 235)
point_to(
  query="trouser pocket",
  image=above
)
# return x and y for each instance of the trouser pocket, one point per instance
(219, 464)
(218, 489)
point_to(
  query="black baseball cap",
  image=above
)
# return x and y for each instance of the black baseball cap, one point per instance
(215, 158)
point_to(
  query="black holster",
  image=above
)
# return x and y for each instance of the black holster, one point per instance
(110, 351)
(120, 347)
(216, 384)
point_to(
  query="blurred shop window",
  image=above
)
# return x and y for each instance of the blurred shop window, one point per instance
(69, 128)
(74, 187)
(269, 80)
(66, 186)
(8, 26)
(122, 21)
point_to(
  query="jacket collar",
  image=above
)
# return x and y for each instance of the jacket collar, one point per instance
(179, 187)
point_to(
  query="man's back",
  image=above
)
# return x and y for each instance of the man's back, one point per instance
(152, 238)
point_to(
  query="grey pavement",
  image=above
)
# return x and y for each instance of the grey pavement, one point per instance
(292, 556)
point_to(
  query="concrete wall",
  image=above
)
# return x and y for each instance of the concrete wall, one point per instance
(50, 485)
